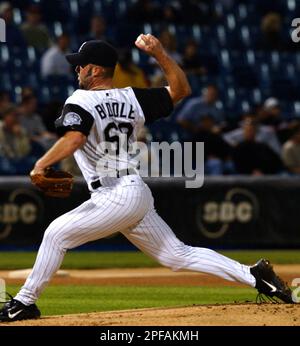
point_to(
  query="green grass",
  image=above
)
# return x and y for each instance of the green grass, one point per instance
(275, 256)
(57, 300)
(90, 260)
(81, 260)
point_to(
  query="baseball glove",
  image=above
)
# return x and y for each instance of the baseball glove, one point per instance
(54, 183)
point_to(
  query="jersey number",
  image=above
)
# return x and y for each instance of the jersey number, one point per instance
(122, 128)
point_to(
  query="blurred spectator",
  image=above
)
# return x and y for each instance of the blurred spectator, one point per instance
(191, 61)
(197, 107)
(216, 150)
(4, 100)
(53, 61)
(127, 73)
(270, 113)
(263, 134)
(291, 152)
(97, 29)
(169, 42)
(26, 91)
(13, 34)
(273, 127)
(33, 124)
(34, 31)
(15, 148)
(271, 31)
(171, 13)
(253, 157)
(144, 11)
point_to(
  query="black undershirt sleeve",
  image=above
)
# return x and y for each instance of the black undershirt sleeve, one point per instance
(156, 103)
(74, 118)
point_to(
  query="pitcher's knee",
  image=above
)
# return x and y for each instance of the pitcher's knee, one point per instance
(54, 237)
(176, 258)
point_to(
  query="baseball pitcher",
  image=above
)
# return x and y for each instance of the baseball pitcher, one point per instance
(120, 201)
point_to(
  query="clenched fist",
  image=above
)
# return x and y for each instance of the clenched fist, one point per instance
(149, 44)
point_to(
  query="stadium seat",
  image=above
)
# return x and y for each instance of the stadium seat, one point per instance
(241, 12)
(5, 81)
(165, 130)
(244, 106)
(296, 109)
(221, 35)
(230, 22)
(219, 9)
(56, 29)
(17, 16)
(196, 32)
(4, 55)
(227, 49)
(73, 7)
(224, 58)
(256, 96)
(230, 95)
(264, 73)
(245, 76)
(284, 88)
(58, 88)
(54, 10)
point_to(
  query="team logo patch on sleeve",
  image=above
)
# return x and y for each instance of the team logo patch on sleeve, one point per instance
(72, 119)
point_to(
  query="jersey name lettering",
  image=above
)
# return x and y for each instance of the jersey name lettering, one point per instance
(114, 109)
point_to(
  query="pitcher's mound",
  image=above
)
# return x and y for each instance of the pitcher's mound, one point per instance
(205, 315)
(23, 274)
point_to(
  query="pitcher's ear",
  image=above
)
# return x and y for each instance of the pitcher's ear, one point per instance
(97, 71)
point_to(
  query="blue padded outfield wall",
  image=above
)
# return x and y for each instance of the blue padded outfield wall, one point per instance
(227, 212)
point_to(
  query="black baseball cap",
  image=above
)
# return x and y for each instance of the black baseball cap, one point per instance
(95, 52)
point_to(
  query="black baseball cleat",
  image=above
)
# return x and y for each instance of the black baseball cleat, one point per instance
(14, 310)
(269, 284)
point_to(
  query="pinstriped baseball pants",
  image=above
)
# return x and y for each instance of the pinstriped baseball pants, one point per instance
(123, 205)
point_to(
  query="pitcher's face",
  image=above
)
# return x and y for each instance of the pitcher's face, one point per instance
(84, 74)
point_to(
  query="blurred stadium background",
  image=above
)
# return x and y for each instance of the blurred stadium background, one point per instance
(243, 67)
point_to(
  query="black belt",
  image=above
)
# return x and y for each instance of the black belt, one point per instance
(97, 183)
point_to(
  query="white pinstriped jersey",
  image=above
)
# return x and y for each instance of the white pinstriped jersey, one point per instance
(111, 119)
(127, 206)
(115, 112)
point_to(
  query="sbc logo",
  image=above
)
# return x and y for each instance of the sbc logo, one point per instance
(22, 206)
(215, 217)
(227, 212)
(13, 213)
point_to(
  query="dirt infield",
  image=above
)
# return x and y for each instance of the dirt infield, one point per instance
(205, 315)
(208, 315)
(144, 277)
